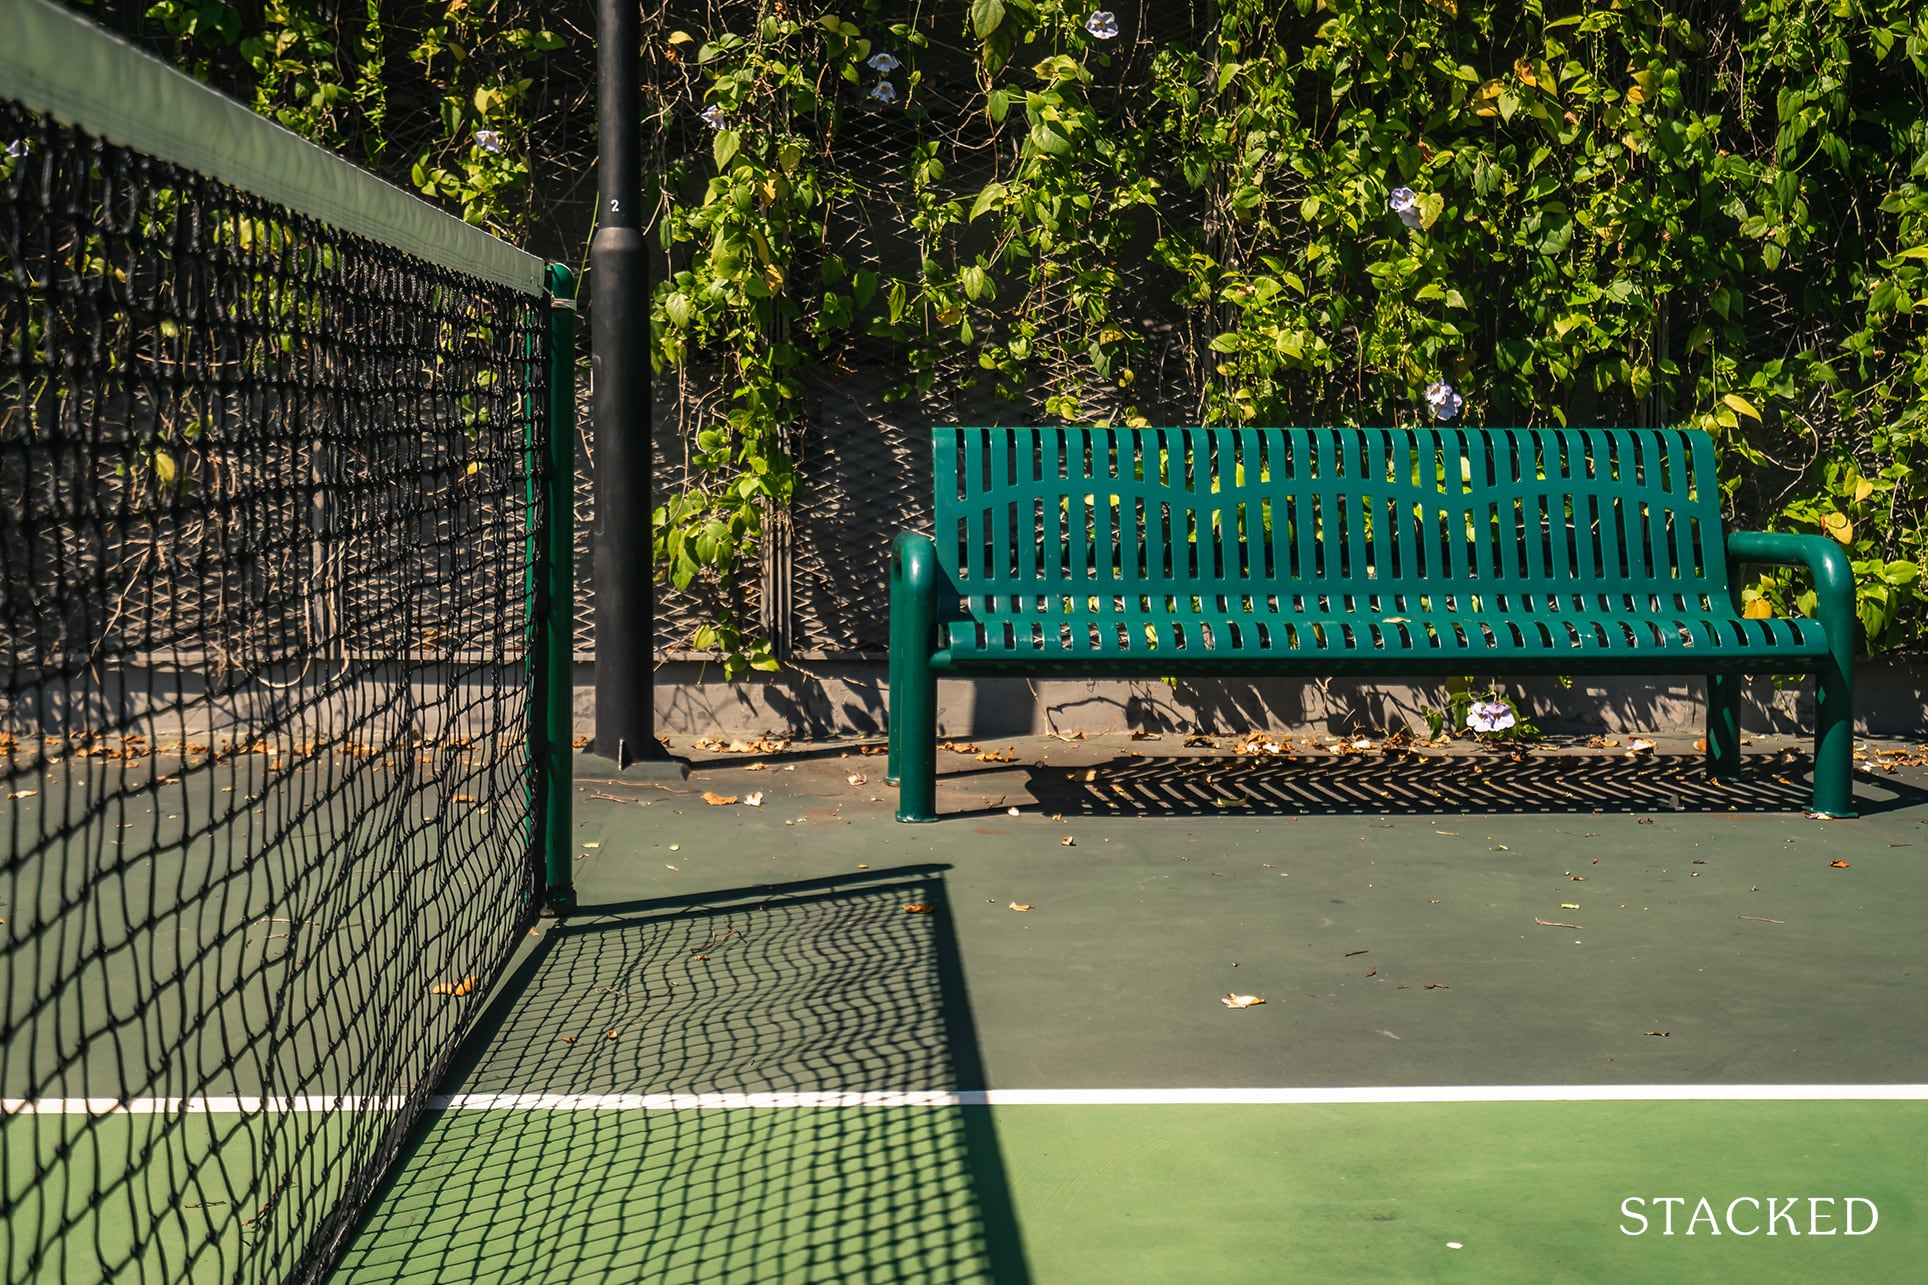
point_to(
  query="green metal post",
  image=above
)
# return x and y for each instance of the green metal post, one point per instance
(1724, 726)
(554, 653)
(913, 693)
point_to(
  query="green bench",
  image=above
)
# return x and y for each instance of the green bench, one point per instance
(1143, 553)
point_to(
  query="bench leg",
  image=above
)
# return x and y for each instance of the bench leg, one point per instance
(1834, 733)
(1724, 726)
(913, 736)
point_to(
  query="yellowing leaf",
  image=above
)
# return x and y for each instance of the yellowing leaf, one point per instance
(1758, 609)
(1863, 488)
(463, 987)
(1241, 1001)
(1524, 70)
(1838, 526)
(1740, 405)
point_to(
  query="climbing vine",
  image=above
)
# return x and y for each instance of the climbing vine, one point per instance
(1698, 213)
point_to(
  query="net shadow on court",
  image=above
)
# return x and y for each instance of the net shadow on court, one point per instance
(1380, 784)
(814, 988)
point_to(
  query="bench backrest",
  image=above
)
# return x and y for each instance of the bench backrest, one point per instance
(1628, 515)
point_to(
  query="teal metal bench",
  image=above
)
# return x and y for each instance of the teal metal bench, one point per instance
(1325, 552)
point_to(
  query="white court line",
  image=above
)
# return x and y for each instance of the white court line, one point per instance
(984, 1097)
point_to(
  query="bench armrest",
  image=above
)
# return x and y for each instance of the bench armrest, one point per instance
(1824, 559)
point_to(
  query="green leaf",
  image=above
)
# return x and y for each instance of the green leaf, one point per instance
(992, 194)
(986, 15)
(724, 147)
(1049, 141)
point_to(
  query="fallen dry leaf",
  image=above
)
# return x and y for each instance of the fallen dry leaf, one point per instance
(1241, 1001)
(917, 908)
(955, 748)
(1200, 740)
(1662, 1034)
(716, 800)
(1839, 865)
(856, 778)
(1067, 842)
(1021, 905)
(609, 1035)
(22, 794)
(1437, 986)
(1640, 745)
(463, 987)
(992, 756)
(1146, 736)
(568, 1039)
(753, 800)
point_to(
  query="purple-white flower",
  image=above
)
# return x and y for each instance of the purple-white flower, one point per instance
(884, 92)
(1102, 24)
(1444, 401)
(1489, 716)
(713, 116)
(885, 63)
(1405, 203)
(18, 149)
(489, 140)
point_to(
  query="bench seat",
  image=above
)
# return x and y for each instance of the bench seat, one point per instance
(1342, 552)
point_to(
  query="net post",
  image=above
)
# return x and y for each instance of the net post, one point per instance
(552, 718)
(619, 391)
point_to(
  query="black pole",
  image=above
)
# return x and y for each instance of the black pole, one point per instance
(620, 405)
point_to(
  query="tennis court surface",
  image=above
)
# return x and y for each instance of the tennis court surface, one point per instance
(1501, 999)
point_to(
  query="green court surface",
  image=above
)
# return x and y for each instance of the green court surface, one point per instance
(1501, 999)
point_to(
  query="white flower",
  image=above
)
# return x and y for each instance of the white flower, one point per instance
(1489, 716)
(1405, 203)
(885, 92)
(713, 116)
(1444, 401)
(1103, 24)
(884, 63)
(489, 140)
(18, 149)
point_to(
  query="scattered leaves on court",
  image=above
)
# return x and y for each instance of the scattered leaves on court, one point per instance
(1640, 745)
(753, 799)
(1242, 1001)
(918, 908)
(966, 747)
(1839, 864)
(464, 987)
(716, 800)
(856, 778)
(736, 745)
(1662, 1034)
(1009, 755)
(1199, 740)
(1022, 905)
(21, 794)
(1067, 842)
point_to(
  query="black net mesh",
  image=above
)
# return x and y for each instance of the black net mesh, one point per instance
(269, 492)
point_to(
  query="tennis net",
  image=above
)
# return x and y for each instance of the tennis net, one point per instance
(272, 466)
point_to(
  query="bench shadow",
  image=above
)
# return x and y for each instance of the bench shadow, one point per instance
(819, 986)
(1385, 784)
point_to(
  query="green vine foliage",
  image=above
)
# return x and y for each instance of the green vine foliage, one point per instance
(1706, 212)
